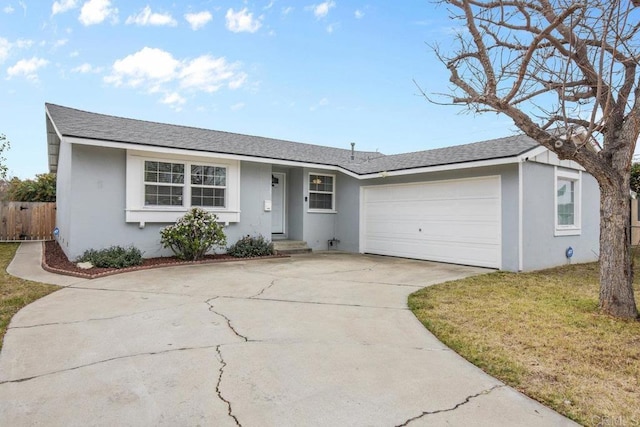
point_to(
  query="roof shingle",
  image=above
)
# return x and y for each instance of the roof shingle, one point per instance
(71, 122)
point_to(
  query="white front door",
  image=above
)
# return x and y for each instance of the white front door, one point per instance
(278, 208)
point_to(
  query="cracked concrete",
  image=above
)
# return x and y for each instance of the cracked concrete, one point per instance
(457, 405)
(324, 339)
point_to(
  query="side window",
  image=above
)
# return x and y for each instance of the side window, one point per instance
(321, 192)
(568, 202)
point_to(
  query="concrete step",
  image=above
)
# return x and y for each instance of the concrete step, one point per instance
(290, 247)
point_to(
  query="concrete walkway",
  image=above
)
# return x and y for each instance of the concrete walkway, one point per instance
(320, 340)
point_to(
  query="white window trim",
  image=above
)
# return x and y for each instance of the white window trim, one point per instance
(137, 211)
(333, 193)
(576, 228)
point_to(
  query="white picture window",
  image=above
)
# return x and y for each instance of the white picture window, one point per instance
(321, 192)
(567, 202)
(160, 189)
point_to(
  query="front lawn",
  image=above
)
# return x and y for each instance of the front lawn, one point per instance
(15, 293)
(541, 333)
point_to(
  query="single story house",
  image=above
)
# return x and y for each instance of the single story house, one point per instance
(507, 203)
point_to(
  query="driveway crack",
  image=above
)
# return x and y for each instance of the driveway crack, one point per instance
(211, 309)
(464, 402)
(223, 365)
(98, 362)
(97, 319)
(273, 282)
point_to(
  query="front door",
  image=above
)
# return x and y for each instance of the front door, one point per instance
(278, 208)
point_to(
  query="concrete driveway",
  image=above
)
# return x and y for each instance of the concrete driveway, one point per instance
(320, 340)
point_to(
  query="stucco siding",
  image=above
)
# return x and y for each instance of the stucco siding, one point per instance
(348, 215)
(93, 212)
(63, 196)
(295, 204)
(255, 183)
(541, 247)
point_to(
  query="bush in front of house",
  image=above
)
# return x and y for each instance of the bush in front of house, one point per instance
(250, 246)
(113, 257)
(193, 235)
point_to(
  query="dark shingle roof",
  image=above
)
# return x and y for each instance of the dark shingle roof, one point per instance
(82, 124)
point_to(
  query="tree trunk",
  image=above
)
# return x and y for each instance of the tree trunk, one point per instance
(616, 274)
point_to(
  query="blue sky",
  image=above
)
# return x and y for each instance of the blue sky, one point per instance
(322, 72)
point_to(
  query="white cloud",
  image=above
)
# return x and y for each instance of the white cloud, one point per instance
(74, 54)
(24, 43)
(23, 5)
(27, 68)
(146, 65)
(146, 17)
(5, 47)
(206, 73)
(86, 68)
(63, 6)
(174, 100)
(96, 11)
(358, 14)
(198, 20)
(59, 43)
(242, 21)
(8, 9)
(332, 27)
(157, 71)
(321, 10)
(237, 106)
(287, 10)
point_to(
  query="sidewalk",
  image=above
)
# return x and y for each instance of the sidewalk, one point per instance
(27, 264)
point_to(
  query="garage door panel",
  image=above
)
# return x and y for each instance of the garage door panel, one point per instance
(454, 221)
(437, 230)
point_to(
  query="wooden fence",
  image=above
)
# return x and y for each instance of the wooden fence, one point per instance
(27, 221)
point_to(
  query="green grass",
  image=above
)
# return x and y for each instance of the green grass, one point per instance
(541, 333)
(15, 293)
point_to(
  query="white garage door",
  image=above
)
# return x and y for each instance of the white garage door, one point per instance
(456, 221)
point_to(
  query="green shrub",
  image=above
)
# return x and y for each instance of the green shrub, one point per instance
(113, 257)
(251, 247)
(193, 235)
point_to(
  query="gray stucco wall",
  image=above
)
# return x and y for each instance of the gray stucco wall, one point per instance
(541, 248)
(64, 191)
(348, 216)
(295, 204)
(509, 192)
(255, 183)
(91, 195)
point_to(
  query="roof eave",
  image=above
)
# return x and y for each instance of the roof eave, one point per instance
(443, 167)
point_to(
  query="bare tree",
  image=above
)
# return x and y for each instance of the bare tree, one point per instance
(566, 72)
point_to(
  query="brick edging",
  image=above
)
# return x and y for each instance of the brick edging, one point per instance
(50, 269)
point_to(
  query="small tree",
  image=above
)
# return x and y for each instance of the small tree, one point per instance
(566, 72)
(42, 189)
(4, 146)
(193, 235)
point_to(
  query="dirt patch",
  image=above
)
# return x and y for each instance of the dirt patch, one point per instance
(54, 260)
